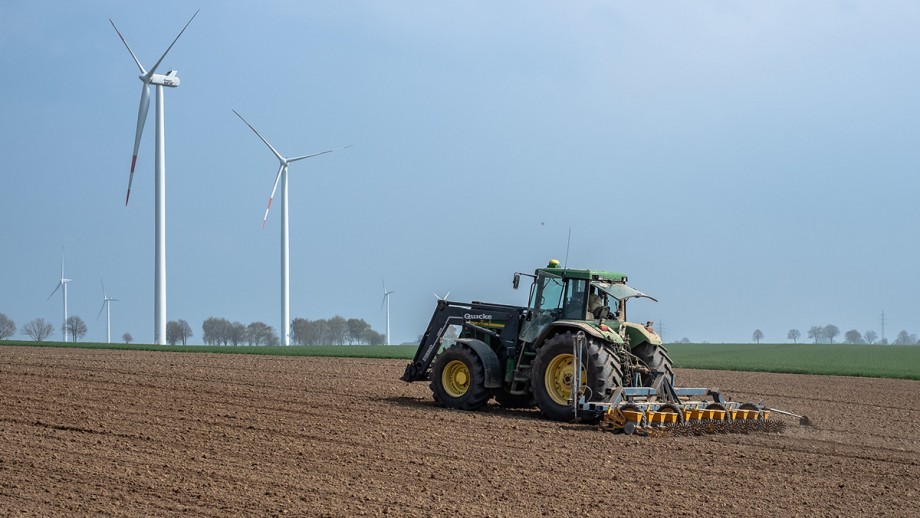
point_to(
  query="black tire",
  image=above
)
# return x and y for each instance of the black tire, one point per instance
(458, 379)
(506, 399)
(658, 361)
(601, 373)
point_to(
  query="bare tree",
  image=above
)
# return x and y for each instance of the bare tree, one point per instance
(758, 335)
(76, 326)
(7, 327)
(794, 335)
(870, 337)
(216, 331)
(185, 331)
(237, 334)
(830, 331)
(260, 333)
(177, 331)
(357, 330)
(853, 337)
(903, 339)
(338, 330)
(816, 332)
(173, 332)
(38, 329)
(127, 337)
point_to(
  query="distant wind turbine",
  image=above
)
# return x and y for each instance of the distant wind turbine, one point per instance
(282, 176)
(62, 283)
(171, 80)
(106, 305)
(440, 297)
(386, 300)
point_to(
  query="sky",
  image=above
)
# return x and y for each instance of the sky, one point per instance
(752, 165)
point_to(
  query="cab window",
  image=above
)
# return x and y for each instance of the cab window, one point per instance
(549, 294)
(575, 299)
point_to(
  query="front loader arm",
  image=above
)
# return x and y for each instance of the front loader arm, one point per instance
(449, 313)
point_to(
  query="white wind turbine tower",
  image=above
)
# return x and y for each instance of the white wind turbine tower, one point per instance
(282, 176)
(106, 305)
(149, 77)
(386, 300)
(62, 283)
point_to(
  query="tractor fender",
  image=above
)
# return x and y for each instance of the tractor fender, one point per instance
(639, 333)
(575, 326)
(489, 359)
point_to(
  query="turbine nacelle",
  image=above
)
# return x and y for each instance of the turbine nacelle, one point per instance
(170, 79)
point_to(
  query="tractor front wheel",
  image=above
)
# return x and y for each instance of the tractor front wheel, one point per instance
(458, 379)
(554, 369)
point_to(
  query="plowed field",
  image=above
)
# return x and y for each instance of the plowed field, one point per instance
(154, 434)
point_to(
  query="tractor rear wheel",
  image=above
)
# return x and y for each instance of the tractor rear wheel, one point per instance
(658, 361)
(458, 379)
(553, 371)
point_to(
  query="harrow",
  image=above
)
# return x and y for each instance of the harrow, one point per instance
(665, 410)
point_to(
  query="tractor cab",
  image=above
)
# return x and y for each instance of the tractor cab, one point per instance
(575, 294)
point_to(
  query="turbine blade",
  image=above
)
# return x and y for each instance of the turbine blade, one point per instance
(384, 301)
(100, 310)
(275, 151)
(55, 290)
(104, 296)
(272, 195)
(317, 154)
(152, 70)
(143, 72)
(142, 110)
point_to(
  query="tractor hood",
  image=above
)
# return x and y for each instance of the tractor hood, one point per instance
(620, 291)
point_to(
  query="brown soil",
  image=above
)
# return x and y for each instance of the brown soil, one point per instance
(154, 434)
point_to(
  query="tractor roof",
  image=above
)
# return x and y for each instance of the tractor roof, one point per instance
(576, 273)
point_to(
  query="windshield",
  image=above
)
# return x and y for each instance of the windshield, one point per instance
(619, 291)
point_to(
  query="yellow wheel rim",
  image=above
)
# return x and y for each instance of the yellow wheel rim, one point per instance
(455, 378)
(558, 378)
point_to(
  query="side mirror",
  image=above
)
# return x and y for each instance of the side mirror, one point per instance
(517, 280)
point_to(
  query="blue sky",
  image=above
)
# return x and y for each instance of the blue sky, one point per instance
(750, 164)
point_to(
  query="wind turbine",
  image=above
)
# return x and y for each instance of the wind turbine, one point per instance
(62, 283)
(282, 176)
(386, 300)
(171, 79)
(106, 305)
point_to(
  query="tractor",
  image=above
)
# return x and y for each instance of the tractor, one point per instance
(528, 356)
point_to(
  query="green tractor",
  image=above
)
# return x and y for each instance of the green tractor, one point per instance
(528, 356)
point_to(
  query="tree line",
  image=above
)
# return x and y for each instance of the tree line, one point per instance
(40, 329)
(325, 331)
(827, 334)
(334, 331)
(220, 331)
